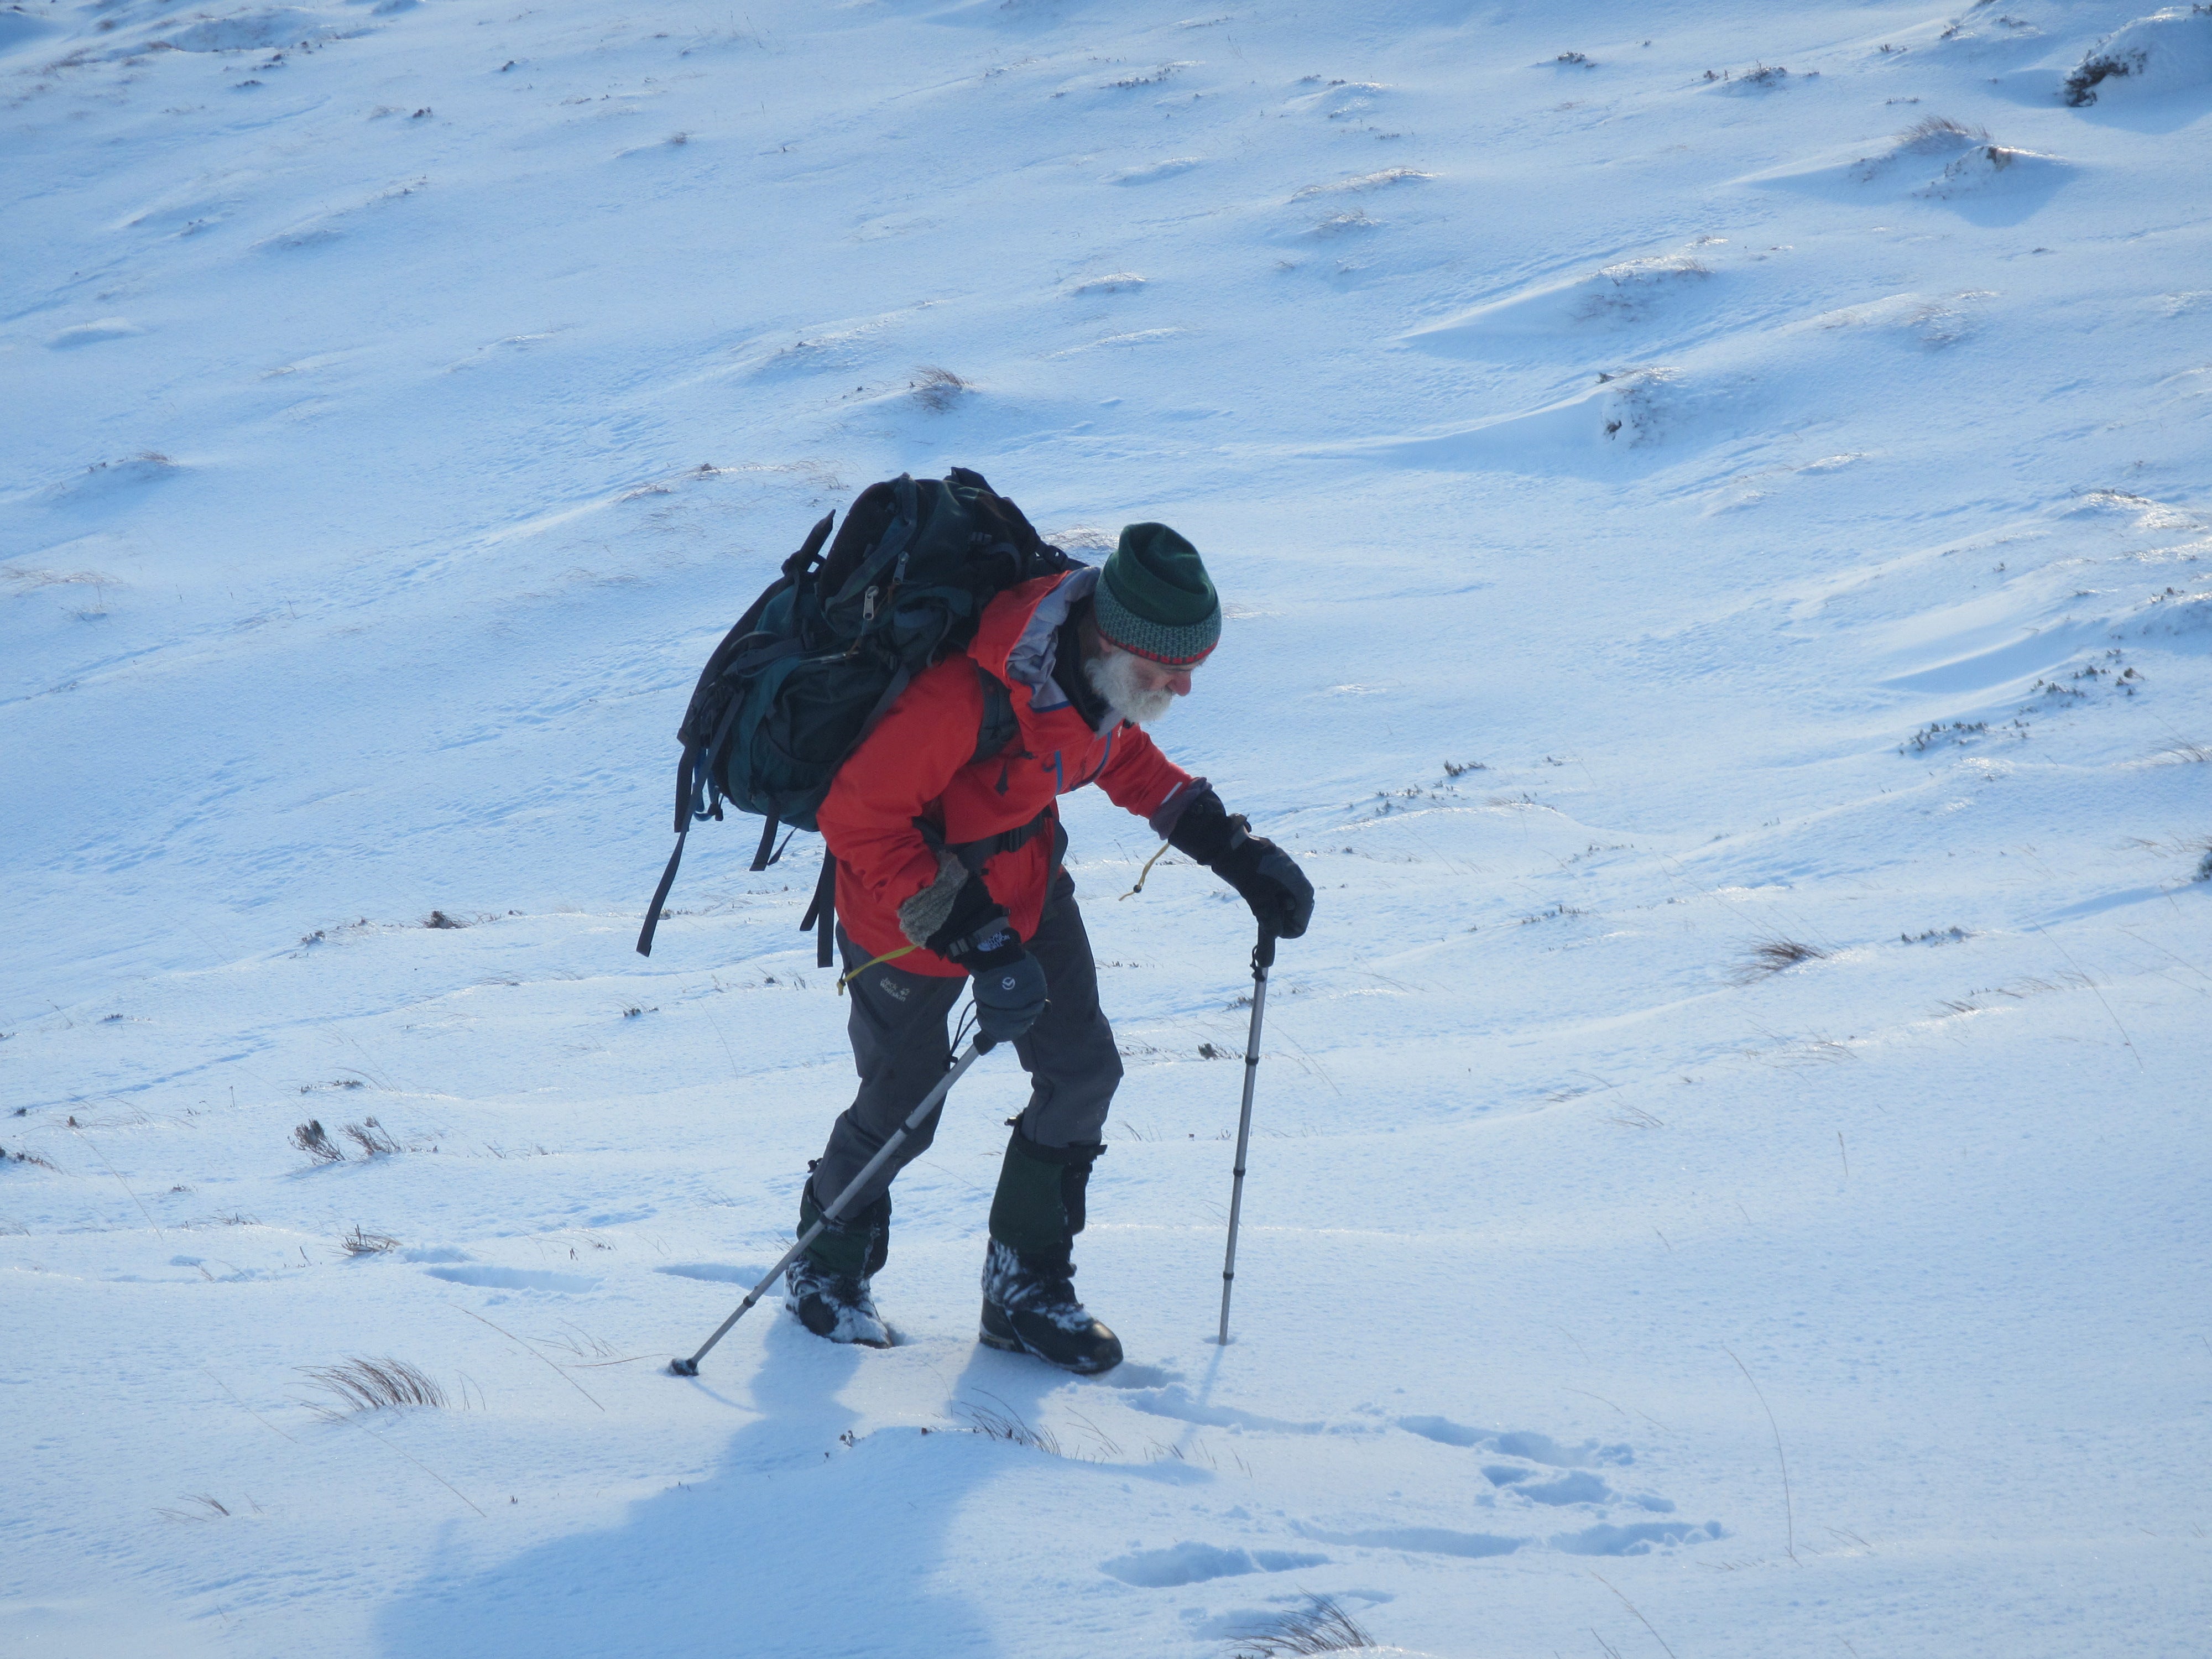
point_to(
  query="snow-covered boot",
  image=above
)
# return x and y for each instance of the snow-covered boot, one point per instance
(1031, 1307)
(828, 1288)
(1029, 1304)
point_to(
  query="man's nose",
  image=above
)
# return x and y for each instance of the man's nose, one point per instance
(1179, 682)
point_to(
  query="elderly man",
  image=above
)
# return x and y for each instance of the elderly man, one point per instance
(949, 868)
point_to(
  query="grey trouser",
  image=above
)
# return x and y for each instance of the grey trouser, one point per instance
(901, 1048)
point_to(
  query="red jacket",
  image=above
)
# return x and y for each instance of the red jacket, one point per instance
(919, 763)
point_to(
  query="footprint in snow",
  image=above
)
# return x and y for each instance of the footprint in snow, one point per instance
(1535, 1448)
(514, 1279)
(1195, 1563)
(1174, 1401)
(1529, 1473)
(715, 1272)
(1129, 1374)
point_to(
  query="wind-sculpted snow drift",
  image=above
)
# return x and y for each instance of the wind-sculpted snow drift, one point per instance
(2169, 51)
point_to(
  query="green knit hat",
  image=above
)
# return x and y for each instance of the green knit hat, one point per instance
(1155, 599)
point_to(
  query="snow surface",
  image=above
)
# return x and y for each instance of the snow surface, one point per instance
(1673, 507)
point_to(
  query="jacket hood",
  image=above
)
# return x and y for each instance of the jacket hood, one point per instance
(1020, 638)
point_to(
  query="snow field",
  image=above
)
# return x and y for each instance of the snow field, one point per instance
(1716, 600)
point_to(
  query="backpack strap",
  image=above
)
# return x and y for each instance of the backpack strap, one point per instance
(684, 772)
(998, 727)
(821, 915)
(696, 795)
(977, 854)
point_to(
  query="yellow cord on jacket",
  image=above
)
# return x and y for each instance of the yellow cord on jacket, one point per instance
(888, 955)
(1143, 874)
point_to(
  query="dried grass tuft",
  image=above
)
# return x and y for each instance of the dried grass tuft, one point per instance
(1941, 132)
(358, 1242)
(369, 1135)
(368, 1385)
(1320, 1626)
(937, 389)
(1003, 1422)
(1771, 956)
(211, 1509)
(310, 1138)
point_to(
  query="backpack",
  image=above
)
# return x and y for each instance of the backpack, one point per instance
(820, 657)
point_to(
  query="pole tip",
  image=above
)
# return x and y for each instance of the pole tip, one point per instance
(683, 1367)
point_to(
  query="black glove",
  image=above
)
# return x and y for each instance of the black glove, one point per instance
(1266, 877)
(1009, 985)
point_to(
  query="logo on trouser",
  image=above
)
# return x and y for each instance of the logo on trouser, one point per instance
(1007, 983)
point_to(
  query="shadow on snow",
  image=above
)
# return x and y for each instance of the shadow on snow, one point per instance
(780, 1551)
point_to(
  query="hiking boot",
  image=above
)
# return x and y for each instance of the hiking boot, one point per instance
(1029, 1301)
(828, 1288)
(835, 1305)
(1030, 1307)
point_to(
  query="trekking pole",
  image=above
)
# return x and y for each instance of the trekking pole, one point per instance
(982, 1044)
(1263, 957)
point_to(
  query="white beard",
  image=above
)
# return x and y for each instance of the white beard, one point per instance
(1113, 676)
